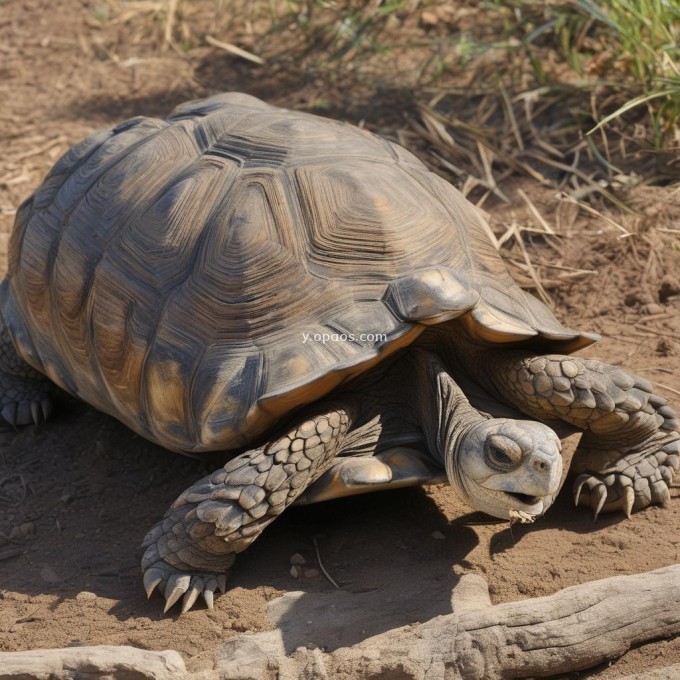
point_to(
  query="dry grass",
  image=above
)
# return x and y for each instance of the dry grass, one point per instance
(580, 95)
(483, 92)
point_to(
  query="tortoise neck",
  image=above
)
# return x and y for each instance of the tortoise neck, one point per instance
(444, 413)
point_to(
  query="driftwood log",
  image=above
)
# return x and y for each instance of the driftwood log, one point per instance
(576, 628)
(103, 662)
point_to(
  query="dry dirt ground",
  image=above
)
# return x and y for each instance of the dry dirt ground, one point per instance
(77, 496)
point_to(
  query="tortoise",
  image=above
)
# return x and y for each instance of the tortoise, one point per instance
(306, 298)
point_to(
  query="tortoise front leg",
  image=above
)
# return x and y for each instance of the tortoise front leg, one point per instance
(191, 550)
(630, 450)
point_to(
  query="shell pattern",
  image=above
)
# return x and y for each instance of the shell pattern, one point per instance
(167, 271)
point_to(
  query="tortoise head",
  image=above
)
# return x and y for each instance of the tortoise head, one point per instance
(507, 468)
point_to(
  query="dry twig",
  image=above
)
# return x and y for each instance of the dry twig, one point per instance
(323, 569)
(232, 49)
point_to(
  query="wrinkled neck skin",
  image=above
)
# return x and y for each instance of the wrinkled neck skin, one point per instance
(444, 413)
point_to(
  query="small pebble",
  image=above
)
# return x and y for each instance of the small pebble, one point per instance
(311, 573)
(295, 571)
(653, 308)
(438, 536)
(85, 596)
(297, 559)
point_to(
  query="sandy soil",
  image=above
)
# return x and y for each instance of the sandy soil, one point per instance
(77, 496)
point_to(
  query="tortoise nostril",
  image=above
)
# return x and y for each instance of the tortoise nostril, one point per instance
(540, 465)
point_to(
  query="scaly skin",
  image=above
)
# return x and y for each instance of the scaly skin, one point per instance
(24, 392)
(630, 450)
(222, 514)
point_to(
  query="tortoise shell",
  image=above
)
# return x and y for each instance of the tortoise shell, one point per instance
(178, 274)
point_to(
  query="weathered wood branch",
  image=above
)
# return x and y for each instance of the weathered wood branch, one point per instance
(576, 628)
(105, 662)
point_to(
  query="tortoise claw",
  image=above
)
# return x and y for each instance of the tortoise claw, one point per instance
(598, 499)
(633, 482)
(9, 413)
(27, 411)
(192, 594)
(177, 585)
(211, 586)
(46, 408)
(222, 583)
(628, 500)
(598, 493)
(152, 577)
(36, 412)
(578, 487)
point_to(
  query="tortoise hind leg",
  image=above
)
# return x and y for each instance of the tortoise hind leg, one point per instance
(192, 548)
(630, 449)
(25, 394)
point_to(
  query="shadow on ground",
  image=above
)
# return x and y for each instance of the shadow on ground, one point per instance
(92, 489)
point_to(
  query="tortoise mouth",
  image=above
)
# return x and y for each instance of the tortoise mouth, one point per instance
(525, 499)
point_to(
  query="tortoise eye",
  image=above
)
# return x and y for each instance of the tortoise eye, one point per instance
(499, 455)
(502, 452)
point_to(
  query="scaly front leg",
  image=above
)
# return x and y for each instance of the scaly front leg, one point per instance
(191, 550)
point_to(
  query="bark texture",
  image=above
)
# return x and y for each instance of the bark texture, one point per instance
(576, 628)
(92, 663)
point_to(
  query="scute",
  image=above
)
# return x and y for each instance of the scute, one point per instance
(430, 296)
(202, 276)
